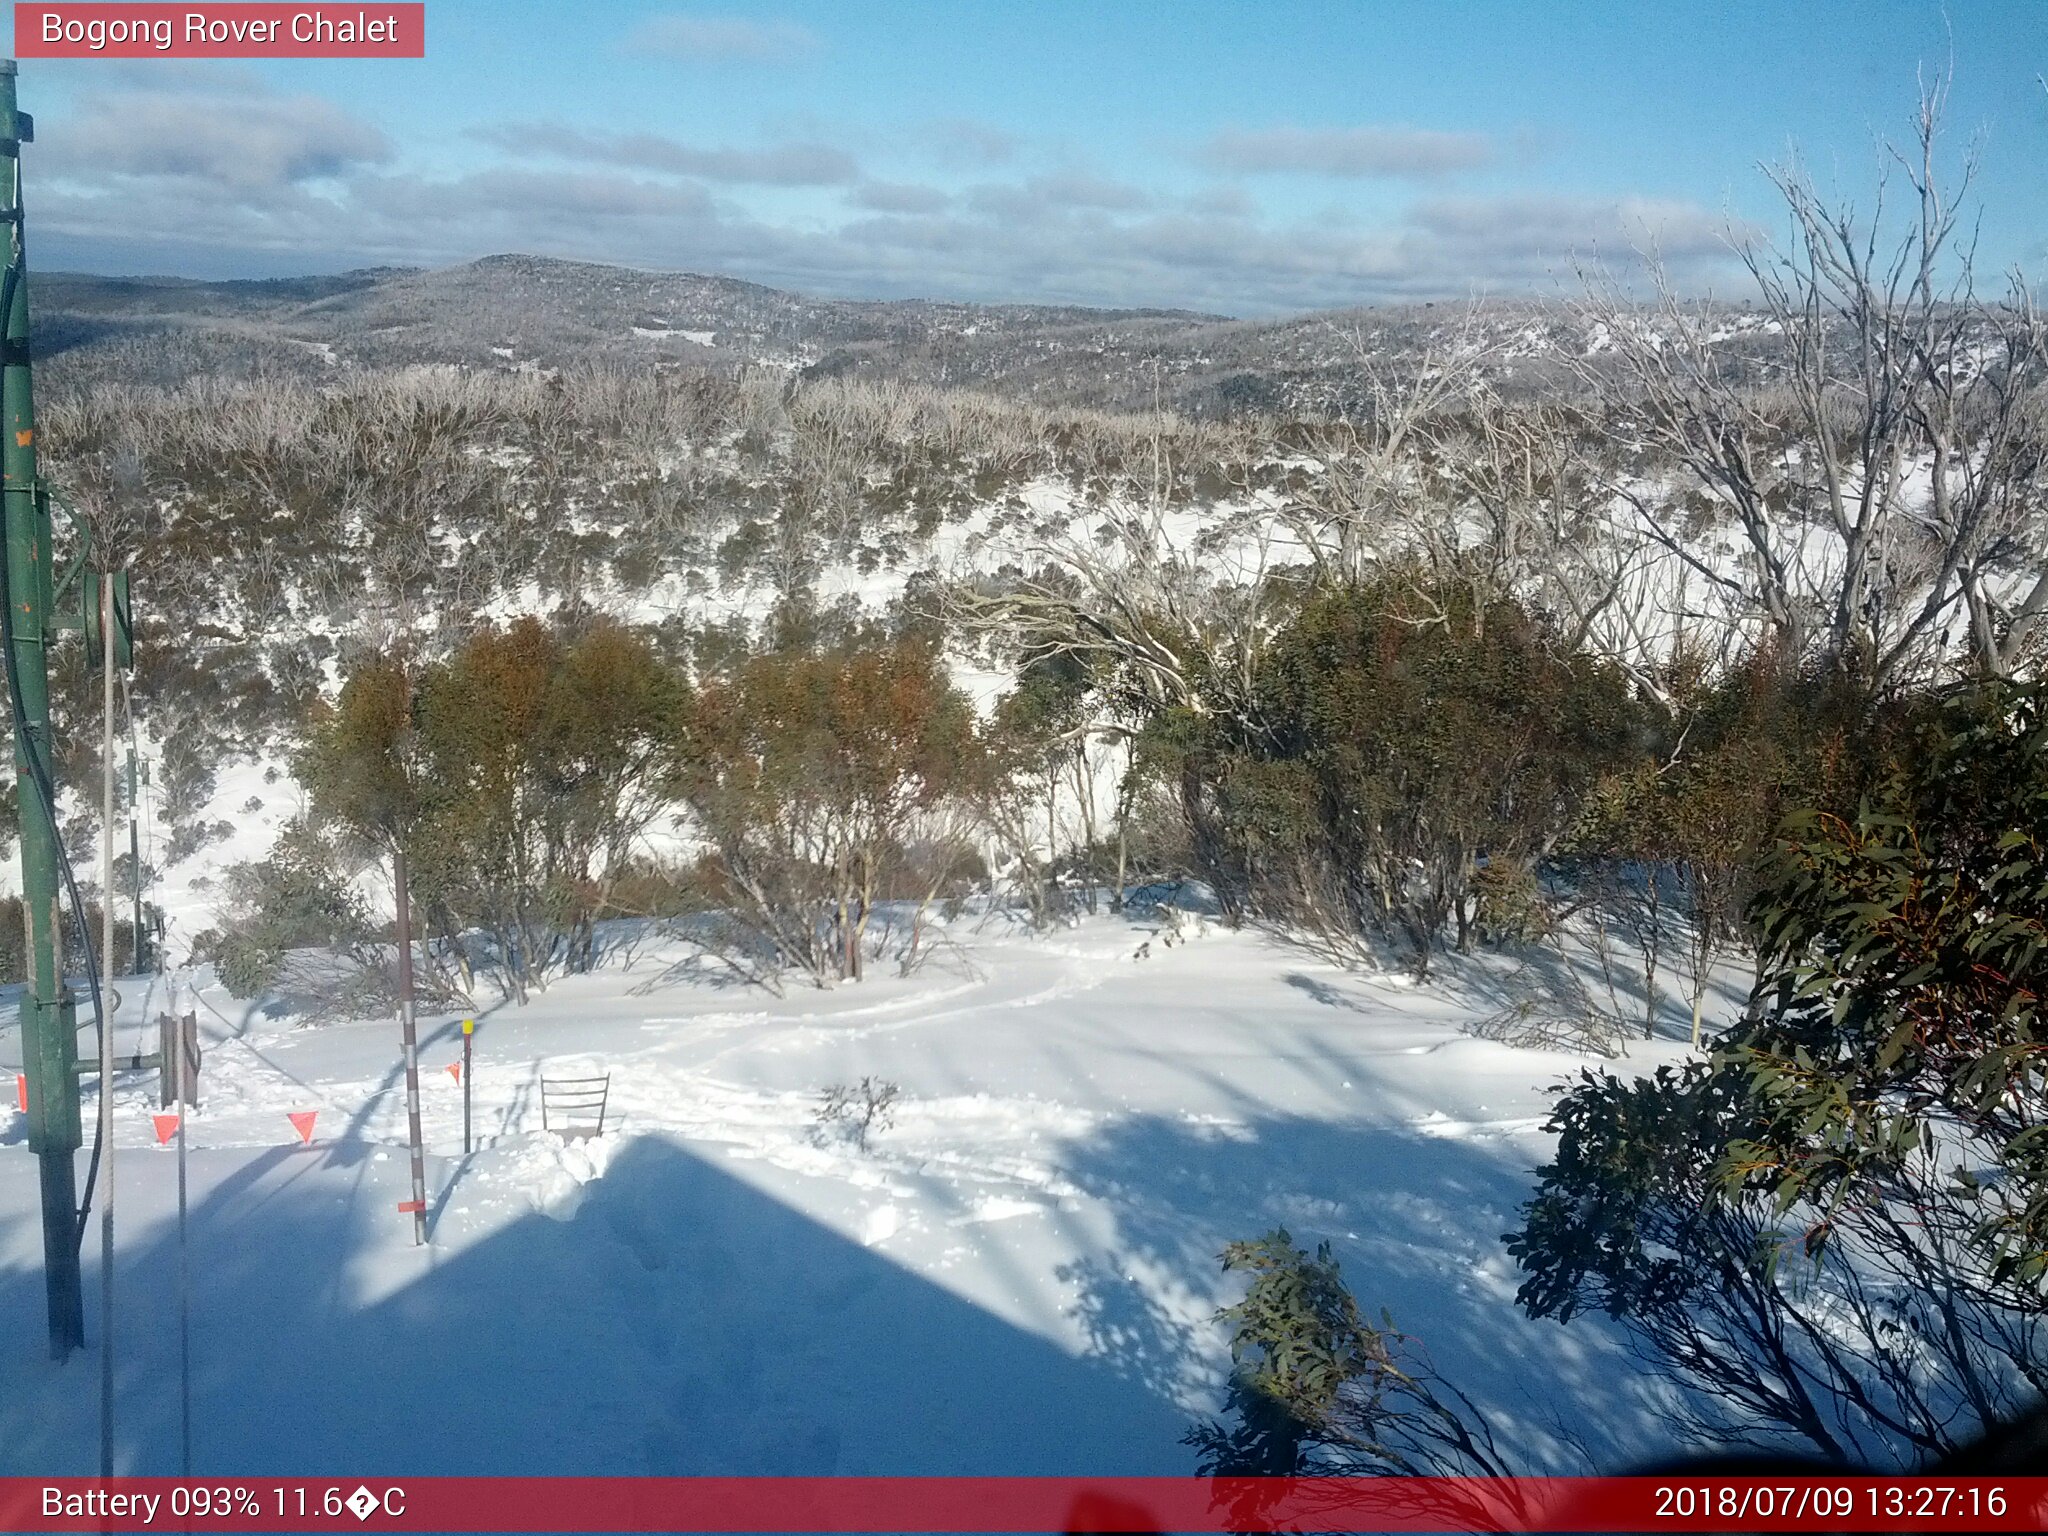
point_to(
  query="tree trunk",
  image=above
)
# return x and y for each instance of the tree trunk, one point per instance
(1207, 842)
(1123, 827)
(1084, 789)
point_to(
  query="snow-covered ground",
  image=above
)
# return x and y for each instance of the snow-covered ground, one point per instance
(1019, 1276)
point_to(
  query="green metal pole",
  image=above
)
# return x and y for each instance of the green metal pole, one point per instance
(49, 1034)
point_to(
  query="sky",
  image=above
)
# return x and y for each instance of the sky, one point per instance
(1234, 156)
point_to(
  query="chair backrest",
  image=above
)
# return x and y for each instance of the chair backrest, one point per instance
(573, 1106)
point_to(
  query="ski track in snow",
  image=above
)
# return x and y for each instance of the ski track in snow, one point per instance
(1018, 1276)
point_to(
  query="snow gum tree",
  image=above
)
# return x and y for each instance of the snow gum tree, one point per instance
(541, 749)
(1884, 485)
(1399, 740)
(516, 774)
(1675, 830)
(808, 773)
(1833, 1228)
(1037, 747)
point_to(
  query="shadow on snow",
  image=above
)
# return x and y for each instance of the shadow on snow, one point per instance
(685, 1322)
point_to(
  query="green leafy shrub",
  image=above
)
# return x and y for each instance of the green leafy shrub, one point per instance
(1838, 1227)
(1316, 1387)
(1399, 740)
(299, 899)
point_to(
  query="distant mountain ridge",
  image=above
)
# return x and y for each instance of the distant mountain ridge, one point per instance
(523, 309)
(532, 312)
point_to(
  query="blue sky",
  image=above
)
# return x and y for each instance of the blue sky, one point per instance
(1249, 157)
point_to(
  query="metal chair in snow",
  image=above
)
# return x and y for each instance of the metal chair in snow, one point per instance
(567, 1103)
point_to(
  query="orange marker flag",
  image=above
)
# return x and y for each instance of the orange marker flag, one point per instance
(302, 1122)
(455, 1070)
(166, 1127)
(21, 1090)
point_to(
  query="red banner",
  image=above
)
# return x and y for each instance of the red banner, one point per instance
(1026, 1504)
(235, 31)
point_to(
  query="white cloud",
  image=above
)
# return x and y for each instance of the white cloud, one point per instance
(722, 37)
(787, 164)
(1060, 190)
(966, 141)
(1503, 232)
(897, 197)
(1359, 152)
(223, 129)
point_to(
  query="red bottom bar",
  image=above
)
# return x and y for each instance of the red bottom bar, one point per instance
(1025, 1504)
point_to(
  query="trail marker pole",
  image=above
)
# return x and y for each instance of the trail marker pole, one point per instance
(134, 866)
(179, 1052)
(468, 1034)
(183, 1080)
(409, 1028)
(135, 829)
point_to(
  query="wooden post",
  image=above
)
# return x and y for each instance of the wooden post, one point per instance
(468, 1076)
(410, 1031)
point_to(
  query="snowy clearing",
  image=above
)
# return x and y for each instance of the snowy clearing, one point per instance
(1019, 1277)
